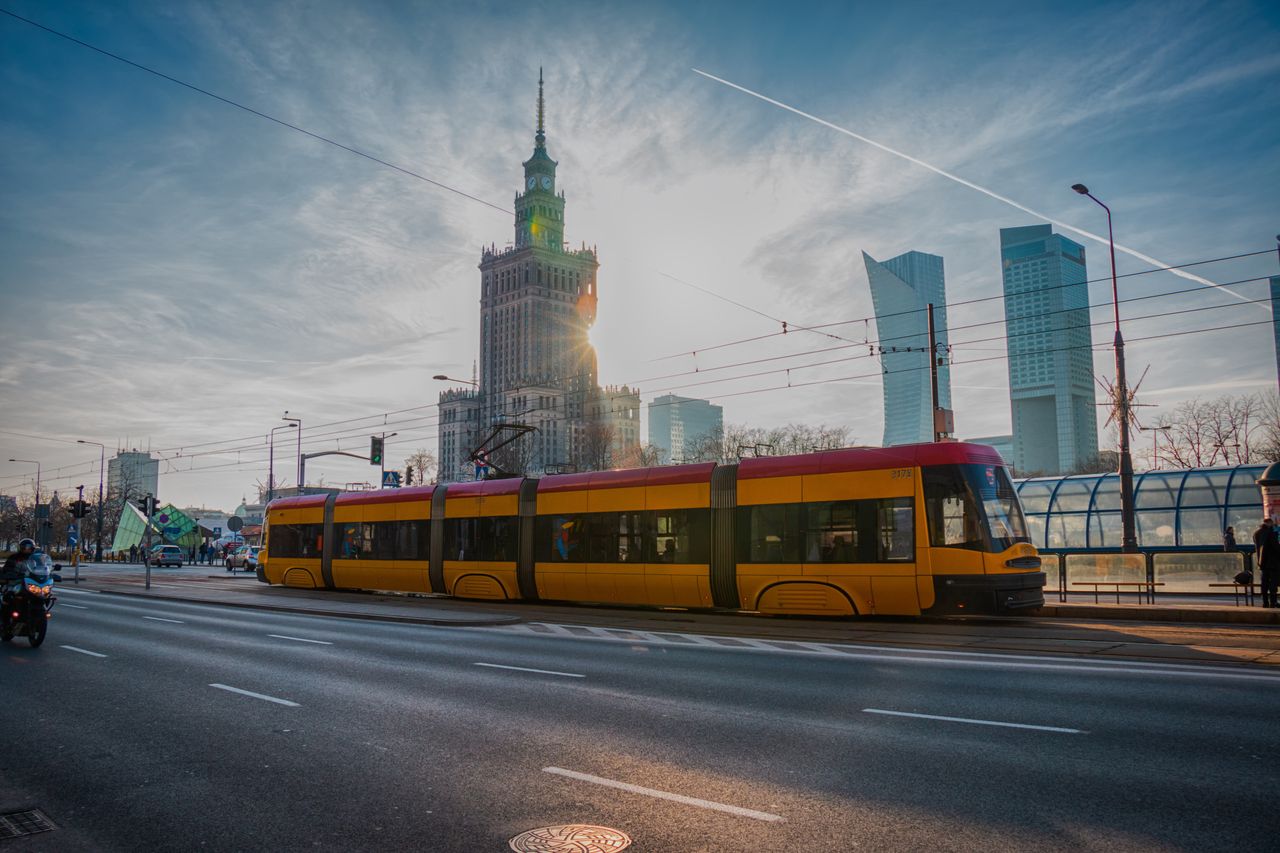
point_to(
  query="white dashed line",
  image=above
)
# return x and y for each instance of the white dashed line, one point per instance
(972, 722)
(301, 640)
(527, 669)
(665, 795)
(74, 606)
(261, 696)
(83, 651)
(162, 619)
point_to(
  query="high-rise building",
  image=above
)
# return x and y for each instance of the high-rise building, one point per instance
(1050, 345)
(537, 367)
(678, 424)
(132, 474)
(901, 290)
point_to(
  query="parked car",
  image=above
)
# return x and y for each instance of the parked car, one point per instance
(244, 557)
(166, 555)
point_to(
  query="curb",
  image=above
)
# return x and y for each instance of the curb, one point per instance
(1156, 613)
(487, 622)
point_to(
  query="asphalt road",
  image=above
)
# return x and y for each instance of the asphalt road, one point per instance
(127, 729)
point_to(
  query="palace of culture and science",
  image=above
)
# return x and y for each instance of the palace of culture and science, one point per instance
(537, 366)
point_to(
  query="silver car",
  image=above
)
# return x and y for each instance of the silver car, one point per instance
(244, 557)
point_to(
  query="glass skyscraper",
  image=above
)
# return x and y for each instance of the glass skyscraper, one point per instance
(1050, 345)
(678, 424)
(901, 290)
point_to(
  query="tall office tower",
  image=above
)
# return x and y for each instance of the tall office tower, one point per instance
(1275, 318)
(901, 290)
(678, 424)
(132, 475)
(537, 367)
(1051, 383)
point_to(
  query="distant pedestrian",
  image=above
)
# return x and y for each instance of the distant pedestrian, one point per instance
(1267, 556)
(133, 553)
(1229, 539)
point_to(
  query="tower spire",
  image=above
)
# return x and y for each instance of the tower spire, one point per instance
(540, 137)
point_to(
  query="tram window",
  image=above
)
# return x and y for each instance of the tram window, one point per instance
(412, 539)
(460, 539)
(283, 540)
(954, 517)
(897, 530)
(831, 532)
(770, 534)
(496, 538)
(681, 536)
(561, 539)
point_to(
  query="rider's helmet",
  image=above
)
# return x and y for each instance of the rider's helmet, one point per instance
(26, 547)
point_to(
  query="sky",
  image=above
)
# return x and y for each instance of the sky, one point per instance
(177, 273)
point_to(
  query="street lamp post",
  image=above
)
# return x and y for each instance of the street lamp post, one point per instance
(1129, 541)
(35, 512)
(271, 460)
(297, 422)
(440, 377)
(102, 466)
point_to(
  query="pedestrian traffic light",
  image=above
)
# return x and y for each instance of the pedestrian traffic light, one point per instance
(375, 450)
(79, 509)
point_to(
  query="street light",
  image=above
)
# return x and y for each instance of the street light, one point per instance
(271, 460)
(1129, 540)
(102, 466)
(297, 422)
(442, 378)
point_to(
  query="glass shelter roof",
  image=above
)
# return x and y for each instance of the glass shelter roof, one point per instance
(1174, 509)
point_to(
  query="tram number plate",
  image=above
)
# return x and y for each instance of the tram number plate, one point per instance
(900, 474)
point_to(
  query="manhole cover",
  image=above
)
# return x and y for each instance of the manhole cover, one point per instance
(18, 824)
(573, 837)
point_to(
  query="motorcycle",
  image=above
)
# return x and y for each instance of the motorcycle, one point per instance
(27, 604)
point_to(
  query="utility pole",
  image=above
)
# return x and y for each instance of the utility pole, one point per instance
(933, 373)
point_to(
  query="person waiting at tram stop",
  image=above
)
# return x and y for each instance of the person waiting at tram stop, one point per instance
(1229, 539)
(1267, 555)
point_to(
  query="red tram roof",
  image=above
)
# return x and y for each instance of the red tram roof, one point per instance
(484, 488)
(669, 475)
(385, 496)
(868, 459)
(297, 502)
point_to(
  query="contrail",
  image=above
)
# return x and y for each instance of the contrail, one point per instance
(971, 185)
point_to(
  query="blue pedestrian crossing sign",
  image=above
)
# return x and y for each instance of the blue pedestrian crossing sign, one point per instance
(390, 479)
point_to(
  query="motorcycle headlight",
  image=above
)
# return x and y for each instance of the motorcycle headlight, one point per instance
(33, 589)
(45, 590)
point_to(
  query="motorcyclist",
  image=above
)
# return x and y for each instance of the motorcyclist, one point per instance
(13, 564)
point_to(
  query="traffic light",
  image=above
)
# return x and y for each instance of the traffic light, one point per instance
(375, 450)
(79, 509)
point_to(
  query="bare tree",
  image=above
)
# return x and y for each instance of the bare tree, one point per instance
(1224, 431)
(736, 440)
(595, 447)
(420, 467)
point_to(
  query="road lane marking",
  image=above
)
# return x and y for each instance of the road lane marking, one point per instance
(75, 606)
(301, 640)
(1068, 662)
(162, 619)
(527, 669)
(665, 795)
(261, 696)
(83, 651)
(973, 722)
(63, 591)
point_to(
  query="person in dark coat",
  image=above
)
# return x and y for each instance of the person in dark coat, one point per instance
(1229, 540)
(1267, 556)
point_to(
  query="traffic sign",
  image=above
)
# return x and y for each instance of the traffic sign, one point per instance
(234, 523)
(390, 479)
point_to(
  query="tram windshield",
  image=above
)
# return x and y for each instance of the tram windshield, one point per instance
(972, 506)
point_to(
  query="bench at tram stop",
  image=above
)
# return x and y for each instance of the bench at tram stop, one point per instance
(1241, 589)
(1142, 588)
